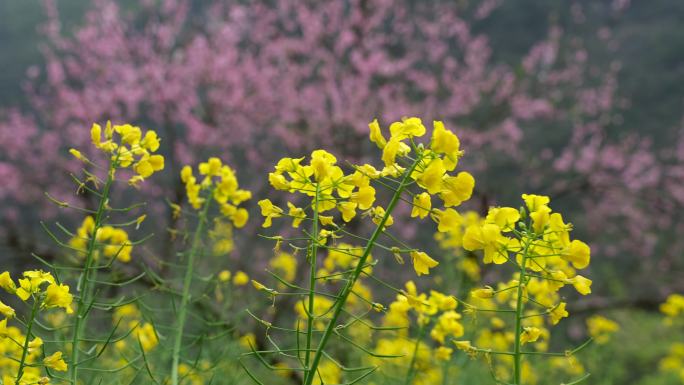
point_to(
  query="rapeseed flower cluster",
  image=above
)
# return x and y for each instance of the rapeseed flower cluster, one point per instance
(435, 315)
(325, 183)
(110, 241)
(673, 362)
(328, 188)
(673, 310)
(22, 360)
(140, 333)
(451, 242)
(536, 242)
(416, 332)
(601, 328)
(39, 285)
(128, 148)
(218, 182)
(328, 196)
(215, 183)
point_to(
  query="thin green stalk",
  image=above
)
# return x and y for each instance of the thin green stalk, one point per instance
(519, 309)
(445, 373)
(187, 281)
(312, 282)
(344, 294)
(29, 328)
(83, 304)
(412, 366)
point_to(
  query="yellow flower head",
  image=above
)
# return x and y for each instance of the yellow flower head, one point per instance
(487, 237)
(211, 167)
(376, 134)
(378, 213)
(131, 149)
(446, 142)
(430, 177)
(457, 189)
(535, 202)
(422, 263)
(530, 334)
(601, 328)
(32, 282)
(578, 253)
(673, 306)
(55, 361)
(114, 241)
(7, 283)
(240, 279)
(35, 344)
(219, 184)
(581, 284)
(408, 127)
(422, 204)
(224, 276)
(486, 292)
(6, 310)
(443, 353)
(57, 295)
(558, 313)
(285, 264)
(269, 211)
(504, 217)
(147, 336)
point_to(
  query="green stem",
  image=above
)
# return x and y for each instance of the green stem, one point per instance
(346, 290)
(445, 373)
(83, 304)
(29, 328)
(187, 281)
(519, 309)
(312, 282)
(411, 369)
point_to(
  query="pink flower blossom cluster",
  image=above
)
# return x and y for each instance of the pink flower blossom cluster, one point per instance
(254, 80)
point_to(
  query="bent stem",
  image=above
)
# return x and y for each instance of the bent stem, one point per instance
(519, 309)
(312, 281)
(187, 282)
(29, 328)
(85, 284)
(346, 290)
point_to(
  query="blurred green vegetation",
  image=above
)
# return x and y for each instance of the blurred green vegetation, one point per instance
(630, 357)
(633, 353)
(19, 45)
(21, 40)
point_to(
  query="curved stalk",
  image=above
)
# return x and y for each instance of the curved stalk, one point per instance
(29, 328)
(84, 285)
(346, 290)
(312, 282)
(519, 309)
(187, 282)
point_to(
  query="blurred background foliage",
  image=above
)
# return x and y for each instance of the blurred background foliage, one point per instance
(643, 44)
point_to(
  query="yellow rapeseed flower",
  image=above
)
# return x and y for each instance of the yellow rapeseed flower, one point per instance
(422, 204)
(57, 295)
(530, 334)
(240, 279)
(422, 263)
(55, 361)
